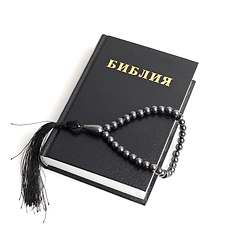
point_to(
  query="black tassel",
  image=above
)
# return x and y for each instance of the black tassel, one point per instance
(33, 191)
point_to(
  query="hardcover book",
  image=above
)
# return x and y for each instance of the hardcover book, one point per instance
(120, 77)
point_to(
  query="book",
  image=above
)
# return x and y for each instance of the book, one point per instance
(121, 77)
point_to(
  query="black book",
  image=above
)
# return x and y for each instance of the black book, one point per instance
(121, 77)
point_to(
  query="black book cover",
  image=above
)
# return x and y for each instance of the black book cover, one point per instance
(120, 77)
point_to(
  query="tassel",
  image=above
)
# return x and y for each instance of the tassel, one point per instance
(33, 191)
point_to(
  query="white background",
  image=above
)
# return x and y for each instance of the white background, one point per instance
(44, 47)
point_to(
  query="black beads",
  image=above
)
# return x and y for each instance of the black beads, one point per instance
(114, 144)
(161, 109)
(145, 164)
(105, 134)
(147, 110)
(120, 121)
(140, 113)
(126, 153)
(127, 118)
(107, 127)
(120, 149)
(154, 109)
(133, 158)
(168, 110)
(138, 161)
(110, 139)
(133, 115)
(114, 125)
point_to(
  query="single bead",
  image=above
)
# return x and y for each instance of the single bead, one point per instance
(181, 140)
(110, 139)
(147, 110)
(132, 157)
(153, 167)
(107, 127)
(172, 170)
(133, 114)
(126, 153)
(161, 109)
(159, 170)
(181, 121)
(146, 164)
(174, 159)
(126, 118)
(120, 149)
(183, 127)
(114, 144)
(179, 147)
(120, 121)
(163, 174)
(175, 113)
(173, 165)
(138, 161)
(105, 134)
(169, 173)
(168, 110)
(114, 125)
(140, 113)
(179, 116)
(176, 153)
(154, 109)
(182, 134)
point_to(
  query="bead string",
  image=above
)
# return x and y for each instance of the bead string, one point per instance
(175, 114)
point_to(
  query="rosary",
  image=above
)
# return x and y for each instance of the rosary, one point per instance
(33, 191)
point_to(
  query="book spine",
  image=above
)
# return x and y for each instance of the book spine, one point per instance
(74, 94)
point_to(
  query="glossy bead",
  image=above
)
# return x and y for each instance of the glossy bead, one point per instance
(107, 127)
(110, 139)
(176, 153)
(159, 170)
(147, 110)
(163, 174)
(183, 128)
(138, 161)
(126, 118)
(126, 153)
(105, 134)
(172, 165)
(179, 116)
(114, 125)
(169, 173)
(153, 167)
(181, 140)
(132, 157)
(140, 113)
(179, 147)
(120, 149)
(181, 121)
(114, 144)
(133, 114)
(120, 121)
(168, 110)
(154, 109)
(175, 113)
(161, 109)
(146, 164)
(182, 134)
(174, 159)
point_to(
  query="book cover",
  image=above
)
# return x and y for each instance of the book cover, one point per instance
(121, 77)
